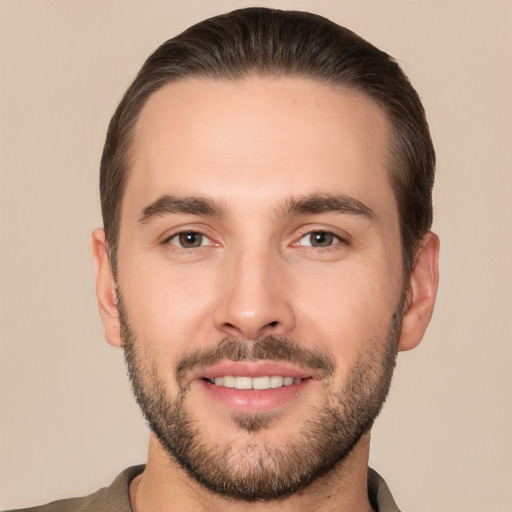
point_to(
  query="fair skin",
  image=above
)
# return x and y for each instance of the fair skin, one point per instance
(252, 148)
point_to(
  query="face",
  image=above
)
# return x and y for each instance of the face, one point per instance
(260, 278)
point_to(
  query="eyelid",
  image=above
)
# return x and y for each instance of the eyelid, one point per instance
(176, 232)
(341, 236)
(175, 240)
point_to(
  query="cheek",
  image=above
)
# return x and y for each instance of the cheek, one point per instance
(170, 309)
(346, 312)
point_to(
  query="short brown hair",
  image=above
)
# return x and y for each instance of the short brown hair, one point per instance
(269, 42)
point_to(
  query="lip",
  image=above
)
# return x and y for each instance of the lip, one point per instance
(251, 369)
(241, 401)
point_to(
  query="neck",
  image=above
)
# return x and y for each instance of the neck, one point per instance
(164, 487)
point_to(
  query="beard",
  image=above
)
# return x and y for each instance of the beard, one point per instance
(258, 471)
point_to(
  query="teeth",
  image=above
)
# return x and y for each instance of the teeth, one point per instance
(261, 383)
(243, 382)
(275, 381)
(227, 382)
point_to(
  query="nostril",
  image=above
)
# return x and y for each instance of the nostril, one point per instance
(250, 327)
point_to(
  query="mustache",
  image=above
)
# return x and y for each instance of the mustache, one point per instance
(268, 348)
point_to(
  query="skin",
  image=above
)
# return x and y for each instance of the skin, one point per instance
(251, 146)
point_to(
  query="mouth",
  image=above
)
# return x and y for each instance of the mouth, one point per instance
(253, 387)
(260, 383)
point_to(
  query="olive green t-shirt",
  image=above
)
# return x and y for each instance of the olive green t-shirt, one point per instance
(115, 498)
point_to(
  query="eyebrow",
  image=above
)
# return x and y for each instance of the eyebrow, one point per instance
(326, 203)
(309, 205)
(167, 204)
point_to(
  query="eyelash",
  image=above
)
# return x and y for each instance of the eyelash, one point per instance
(334, 242)
(178, 234)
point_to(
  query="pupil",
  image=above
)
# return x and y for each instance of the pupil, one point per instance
(322, 239)
(190, 239)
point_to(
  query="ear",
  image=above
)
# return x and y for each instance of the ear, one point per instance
(421, 294)
(105, 289)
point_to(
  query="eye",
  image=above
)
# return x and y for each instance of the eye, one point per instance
(319, 239)
(189, 240)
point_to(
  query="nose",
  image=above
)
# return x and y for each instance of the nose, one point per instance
(254, 299)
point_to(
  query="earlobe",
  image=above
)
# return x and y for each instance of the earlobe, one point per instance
(105, 289)
(421, 292)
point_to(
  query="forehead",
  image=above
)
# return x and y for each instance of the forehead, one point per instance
(258, 136)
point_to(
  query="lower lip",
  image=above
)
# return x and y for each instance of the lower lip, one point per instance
(254, 401)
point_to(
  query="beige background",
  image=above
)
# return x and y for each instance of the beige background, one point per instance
(68, 423)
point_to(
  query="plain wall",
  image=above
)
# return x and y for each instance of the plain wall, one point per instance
(68, 422)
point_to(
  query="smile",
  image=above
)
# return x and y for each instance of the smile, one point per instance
(253, 387)
(263, 382)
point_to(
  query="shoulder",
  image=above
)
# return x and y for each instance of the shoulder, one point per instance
(108, 499)
(380, 496)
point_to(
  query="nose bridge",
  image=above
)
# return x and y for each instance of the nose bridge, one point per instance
(253, 301)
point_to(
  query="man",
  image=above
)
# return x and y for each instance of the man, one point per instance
(266, 194)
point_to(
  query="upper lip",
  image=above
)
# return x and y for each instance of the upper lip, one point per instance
(251, 369)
